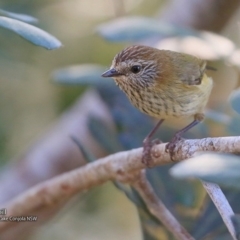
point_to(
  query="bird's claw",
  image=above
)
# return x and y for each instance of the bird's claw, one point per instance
(170, 147)
(147, 147)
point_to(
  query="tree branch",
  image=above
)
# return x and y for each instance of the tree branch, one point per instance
(55, 151)
(62, 187)
(158, 209)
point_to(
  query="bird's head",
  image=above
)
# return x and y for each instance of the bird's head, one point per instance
(134, 65)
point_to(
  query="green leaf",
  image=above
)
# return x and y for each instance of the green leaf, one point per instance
(137, 28)
(21, 17)
(84, 74)
(30, 33)
(235, 101)
(223, 169)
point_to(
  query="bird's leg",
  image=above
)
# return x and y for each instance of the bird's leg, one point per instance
(170, 147)
(148, 144)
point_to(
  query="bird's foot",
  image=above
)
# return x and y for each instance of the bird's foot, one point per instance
(170, 147)
(147, 147)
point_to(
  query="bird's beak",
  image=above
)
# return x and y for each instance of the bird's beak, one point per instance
(111, 73)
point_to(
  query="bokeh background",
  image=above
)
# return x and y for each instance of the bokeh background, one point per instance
(33, 99)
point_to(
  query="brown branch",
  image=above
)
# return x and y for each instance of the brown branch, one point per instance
(114, 166)
(158, 209)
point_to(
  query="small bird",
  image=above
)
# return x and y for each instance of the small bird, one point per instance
(163, 84)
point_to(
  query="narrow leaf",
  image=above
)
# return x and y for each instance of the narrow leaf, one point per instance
(30, 33)
(223, 169)
(21, 17)
(136, 28)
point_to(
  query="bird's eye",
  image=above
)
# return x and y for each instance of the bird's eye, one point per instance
(135, 69)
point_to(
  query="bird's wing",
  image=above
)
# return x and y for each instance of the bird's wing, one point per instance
(192, 70)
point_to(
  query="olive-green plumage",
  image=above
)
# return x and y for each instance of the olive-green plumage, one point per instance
(161, 83)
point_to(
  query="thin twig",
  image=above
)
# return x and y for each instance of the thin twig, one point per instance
(158, 209)
(222, 205)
